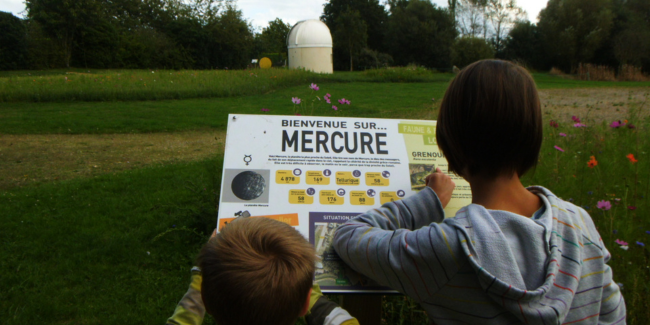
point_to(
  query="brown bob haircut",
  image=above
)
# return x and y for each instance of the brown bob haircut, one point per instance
(256, 271)
(490, 121)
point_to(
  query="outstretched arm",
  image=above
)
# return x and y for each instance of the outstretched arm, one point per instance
(401, 244)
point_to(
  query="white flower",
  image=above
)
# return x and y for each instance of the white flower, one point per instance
(625, 247)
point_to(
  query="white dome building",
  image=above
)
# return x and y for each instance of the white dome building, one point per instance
(310, 46)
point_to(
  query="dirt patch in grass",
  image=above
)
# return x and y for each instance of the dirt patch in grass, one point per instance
(596, 104)
(29, 159)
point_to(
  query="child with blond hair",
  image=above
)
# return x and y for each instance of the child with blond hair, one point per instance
(257, 271)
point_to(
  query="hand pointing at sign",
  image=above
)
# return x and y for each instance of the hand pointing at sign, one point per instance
(441, 184)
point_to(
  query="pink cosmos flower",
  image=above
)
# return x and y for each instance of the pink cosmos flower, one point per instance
(620, 242)
(335, 108)
(327, 95)
(327, 99)
(314, 86)
(562, 134)
(295, 100)
(575, 119)
(615, 124)
(579, 125)
(604, 205)
(558, 148)
(264, 109)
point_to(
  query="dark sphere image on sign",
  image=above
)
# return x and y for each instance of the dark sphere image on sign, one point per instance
(248, 185)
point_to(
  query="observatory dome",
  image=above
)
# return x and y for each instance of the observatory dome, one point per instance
(309, 33)
(309, 45)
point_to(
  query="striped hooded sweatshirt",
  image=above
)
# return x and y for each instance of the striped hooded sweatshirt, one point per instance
(487, 266)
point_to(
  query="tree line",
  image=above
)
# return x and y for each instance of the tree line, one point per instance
(170, 34)
(208, 34)
(569, 32)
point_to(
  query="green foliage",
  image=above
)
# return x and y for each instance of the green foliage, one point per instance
(630, 38)
(43, 52)
(273, 38)
(523, 45)
(369, 59)
(421, 33)
(572, 30)
(350, 33)
(232, 39)
(373, 14)
(470, 49)
(13, 46)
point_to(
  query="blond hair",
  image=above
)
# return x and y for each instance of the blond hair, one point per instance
(256, 271)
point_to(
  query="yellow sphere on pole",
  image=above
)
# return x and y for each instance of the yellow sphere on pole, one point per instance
(265, 63)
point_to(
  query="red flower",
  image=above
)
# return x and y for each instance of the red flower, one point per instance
(554, 124)
(631, 158)
(592, 162)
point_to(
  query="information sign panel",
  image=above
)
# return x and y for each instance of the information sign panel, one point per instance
(315, 173)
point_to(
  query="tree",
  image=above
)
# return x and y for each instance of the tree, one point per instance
(572, 30)
(62, 19)
(502, 15)
(372, 13)
(231, 39)
(351, 33)
(523, 45)
(631, 34)
(453, 6)
(274, 37)
(470, 49)
(13, 49)
(421, 33)
(470, 18)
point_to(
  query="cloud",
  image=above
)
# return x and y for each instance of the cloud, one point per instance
(259, 13)
(13, 6)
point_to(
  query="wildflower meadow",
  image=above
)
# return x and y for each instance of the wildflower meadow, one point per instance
(108, 190)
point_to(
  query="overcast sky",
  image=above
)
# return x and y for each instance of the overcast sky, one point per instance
(260, 12)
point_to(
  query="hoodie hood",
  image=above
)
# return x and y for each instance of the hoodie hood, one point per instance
(533, 287)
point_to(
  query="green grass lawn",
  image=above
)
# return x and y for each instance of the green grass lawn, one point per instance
(117, 248)
(368, 100)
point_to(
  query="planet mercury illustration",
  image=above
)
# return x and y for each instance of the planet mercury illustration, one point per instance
(248, 185)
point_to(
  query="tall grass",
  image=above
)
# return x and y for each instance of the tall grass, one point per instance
(148, 85)
(129, 85)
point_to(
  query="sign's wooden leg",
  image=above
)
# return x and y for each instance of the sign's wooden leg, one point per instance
(366, 308)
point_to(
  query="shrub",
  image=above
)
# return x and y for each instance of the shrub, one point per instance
(468, 49)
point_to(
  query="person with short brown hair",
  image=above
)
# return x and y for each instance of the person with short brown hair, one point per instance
(258, 271)
(516, 255)
(490, 121)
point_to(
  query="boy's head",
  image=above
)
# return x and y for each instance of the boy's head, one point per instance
(490, 121)
(257, 271)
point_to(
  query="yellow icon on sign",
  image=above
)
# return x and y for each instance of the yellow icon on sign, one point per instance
(265, 63)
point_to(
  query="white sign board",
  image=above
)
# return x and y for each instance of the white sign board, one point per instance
(315, 173)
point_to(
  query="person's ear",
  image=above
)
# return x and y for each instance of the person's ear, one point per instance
(305, 308)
